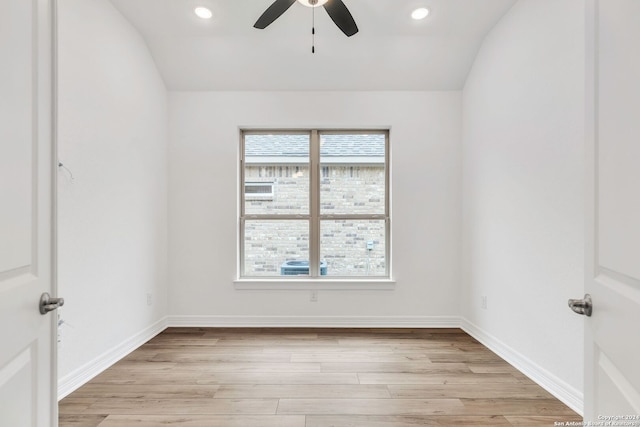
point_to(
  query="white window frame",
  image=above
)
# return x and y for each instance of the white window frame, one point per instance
(314, 217)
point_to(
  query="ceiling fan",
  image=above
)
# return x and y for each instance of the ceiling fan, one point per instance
(335, 8)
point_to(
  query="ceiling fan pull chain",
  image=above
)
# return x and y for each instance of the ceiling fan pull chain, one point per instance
(313, 30)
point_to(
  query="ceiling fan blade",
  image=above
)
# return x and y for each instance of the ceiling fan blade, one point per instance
(273, 12)
(341, 16)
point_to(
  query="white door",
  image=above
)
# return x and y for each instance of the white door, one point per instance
(27, 353)
(612, 333)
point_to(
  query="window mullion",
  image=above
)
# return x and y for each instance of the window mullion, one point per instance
(314, 195)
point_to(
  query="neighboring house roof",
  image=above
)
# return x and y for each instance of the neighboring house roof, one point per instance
(331, 145)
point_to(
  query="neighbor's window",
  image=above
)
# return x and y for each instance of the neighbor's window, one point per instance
(258, 190)
(314, 203)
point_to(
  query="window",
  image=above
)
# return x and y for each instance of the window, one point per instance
(314, 203)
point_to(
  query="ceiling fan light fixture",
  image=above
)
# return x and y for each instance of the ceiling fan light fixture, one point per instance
(313, 3)
(420, 13)
(203, 12)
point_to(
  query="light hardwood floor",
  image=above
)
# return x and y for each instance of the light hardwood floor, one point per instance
(312, 378)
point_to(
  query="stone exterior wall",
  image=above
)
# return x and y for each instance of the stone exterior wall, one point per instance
(349, 247)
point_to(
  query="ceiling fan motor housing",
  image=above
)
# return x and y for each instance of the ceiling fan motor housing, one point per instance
(313, 3)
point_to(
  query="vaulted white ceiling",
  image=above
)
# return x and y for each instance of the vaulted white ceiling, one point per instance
(391, 51)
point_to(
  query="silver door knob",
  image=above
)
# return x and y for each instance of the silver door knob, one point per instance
(582, 306)
(48, 304)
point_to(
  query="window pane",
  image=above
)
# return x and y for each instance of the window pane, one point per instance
(352, 174)
(276, 174)
(353, 247)
(274, 248)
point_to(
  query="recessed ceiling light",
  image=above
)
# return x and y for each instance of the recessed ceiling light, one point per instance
(420, 13)
(203, 12)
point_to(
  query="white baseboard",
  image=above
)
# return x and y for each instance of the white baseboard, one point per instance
(71, 382)
(316, 321)
(566, 393)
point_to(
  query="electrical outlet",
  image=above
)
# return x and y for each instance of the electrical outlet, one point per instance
(149, 299)
(314, 296)
(483, 303)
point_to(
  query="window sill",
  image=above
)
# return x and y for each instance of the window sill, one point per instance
(315, 284)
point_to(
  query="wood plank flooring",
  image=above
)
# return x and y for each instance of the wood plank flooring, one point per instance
(312, 378)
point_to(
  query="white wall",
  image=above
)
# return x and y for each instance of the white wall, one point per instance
(113, 217)
(425, 150)
(523, 165)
